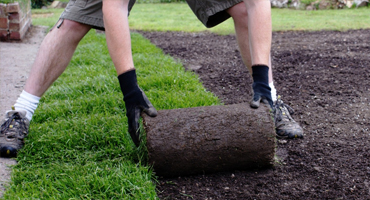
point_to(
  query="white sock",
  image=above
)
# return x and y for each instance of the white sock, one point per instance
(273, 91)
(27, 102)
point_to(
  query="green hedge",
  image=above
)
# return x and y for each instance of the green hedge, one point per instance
(40, 3)
(34, 3)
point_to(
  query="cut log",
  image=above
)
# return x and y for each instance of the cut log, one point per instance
(210, 139)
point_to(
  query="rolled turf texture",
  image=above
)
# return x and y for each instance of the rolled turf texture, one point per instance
(210, 139)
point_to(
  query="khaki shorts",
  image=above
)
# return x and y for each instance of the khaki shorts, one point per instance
(211, 12)
(87, 12)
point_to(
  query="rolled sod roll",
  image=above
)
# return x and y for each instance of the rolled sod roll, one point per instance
(210, 139)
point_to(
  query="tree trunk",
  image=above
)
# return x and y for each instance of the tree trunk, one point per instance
(210, 139)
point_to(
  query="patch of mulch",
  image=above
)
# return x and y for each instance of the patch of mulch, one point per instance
(325, 77)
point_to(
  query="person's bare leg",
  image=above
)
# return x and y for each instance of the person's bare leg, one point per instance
(260, 30)
(239, 14)
(118, 34)
(286, 127)
(260, 36)
(54, 55)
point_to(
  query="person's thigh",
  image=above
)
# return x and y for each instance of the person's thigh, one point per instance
(211, 12)
(87, 12)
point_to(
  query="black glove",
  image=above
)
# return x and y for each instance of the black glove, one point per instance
(136, 102)
(261, 88)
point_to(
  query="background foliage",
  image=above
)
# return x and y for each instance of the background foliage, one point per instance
(6, 1)
(40, 3)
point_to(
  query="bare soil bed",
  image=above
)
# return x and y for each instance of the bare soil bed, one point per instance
(325, 77)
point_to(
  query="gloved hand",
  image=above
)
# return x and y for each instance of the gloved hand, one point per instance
(135, 102)
(261, 88)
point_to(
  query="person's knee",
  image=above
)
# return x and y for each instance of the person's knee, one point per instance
(66, 25)
(238, 11)
(72, 30)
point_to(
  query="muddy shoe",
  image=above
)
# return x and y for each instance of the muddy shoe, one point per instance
(13, 130)
(285, 125)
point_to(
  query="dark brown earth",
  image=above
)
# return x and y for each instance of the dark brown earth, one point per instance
(325, 77)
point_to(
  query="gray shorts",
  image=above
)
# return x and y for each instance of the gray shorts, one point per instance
(211, 12)
(87, 12)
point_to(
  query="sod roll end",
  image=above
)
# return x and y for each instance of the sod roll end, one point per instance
(210, 139)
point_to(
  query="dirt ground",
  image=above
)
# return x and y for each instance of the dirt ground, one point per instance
(325, 77)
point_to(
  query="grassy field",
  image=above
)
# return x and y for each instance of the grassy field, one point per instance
(79, 148)
(179, 17)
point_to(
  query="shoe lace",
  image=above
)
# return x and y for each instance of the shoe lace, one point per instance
(277, 109)
(5, 126)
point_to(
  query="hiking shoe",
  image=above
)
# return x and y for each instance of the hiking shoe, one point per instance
(13, 130)
(285, 125)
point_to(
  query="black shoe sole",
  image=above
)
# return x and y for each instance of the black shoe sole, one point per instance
(8, 152)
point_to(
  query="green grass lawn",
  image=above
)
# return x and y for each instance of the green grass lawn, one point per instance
(179, 17)
(79, 148)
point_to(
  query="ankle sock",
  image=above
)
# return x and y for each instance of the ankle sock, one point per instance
(273, 91)
(27, 102)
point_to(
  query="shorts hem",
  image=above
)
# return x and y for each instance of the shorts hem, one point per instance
(96, 23)
(217, 14)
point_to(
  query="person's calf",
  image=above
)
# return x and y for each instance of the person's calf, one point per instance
(54, 55)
